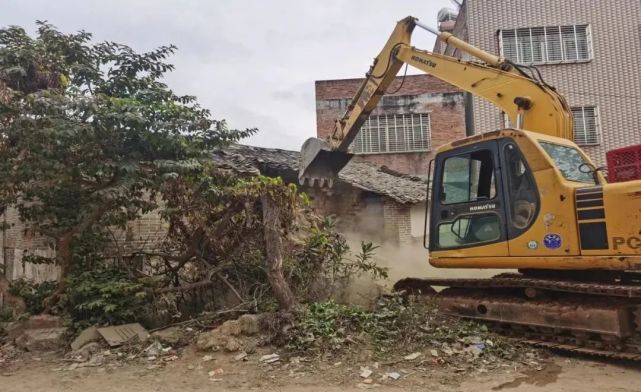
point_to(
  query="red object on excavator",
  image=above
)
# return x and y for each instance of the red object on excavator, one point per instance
(624, 164)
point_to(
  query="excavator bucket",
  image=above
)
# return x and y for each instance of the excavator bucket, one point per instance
(319, 165)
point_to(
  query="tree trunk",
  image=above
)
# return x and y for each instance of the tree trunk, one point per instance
(274, 253)
(63, 257)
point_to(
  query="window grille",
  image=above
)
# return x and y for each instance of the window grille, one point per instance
(546, 45)
(586, 125)
(394, 133)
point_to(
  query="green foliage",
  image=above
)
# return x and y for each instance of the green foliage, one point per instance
(32, 293)
(326, 250)
(329, 326)
(90, 132)
(104, 296)
(6, 314)
(215, 223)
(328, 322)
(394, 324)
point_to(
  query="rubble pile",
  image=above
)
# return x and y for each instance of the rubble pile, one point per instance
(233, 335)
(395, 342)
(397, 331)
(152, 350)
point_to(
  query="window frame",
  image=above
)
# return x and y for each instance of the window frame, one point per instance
(580, 153)
(471, 216)
(425, 123)
(512, 230)
(597, 125)
(492, 183)
(598, 134)
(546, 43)
(440, 213)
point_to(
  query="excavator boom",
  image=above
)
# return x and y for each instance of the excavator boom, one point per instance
(529, 103)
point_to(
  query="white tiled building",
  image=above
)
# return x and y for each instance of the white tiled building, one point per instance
(588, 49)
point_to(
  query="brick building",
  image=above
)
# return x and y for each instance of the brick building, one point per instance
(405, 128)
(588, 49)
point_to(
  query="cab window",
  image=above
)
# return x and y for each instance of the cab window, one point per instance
(568, 160)
(468, 178)
(469, 230)
(521, 189)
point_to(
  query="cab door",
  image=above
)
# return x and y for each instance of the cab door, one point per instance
(467, 216)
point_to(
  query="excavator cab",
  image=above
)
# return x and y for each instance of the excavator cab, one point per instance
(519, 199)
(483, 195)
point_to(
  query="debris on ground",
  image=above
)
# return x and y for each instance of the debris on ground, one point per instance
(412, 356)
(269, 358)
(240, 356)
(366, 347)
(41, 339)
(400, 325)
(88, 335)
(394, 375)
(42, 321)
(117, 335)
(232, 336)
(215, 372)
(171, 335)
(365, 372)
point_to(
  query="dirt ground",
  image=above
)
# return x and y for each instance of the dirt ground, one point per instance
(191, 373)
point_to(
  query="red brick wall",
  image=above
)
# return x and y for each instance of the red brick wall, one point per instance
(419, 94)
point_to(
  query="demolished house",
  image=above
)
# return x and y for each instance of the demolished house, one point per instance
(369, 203)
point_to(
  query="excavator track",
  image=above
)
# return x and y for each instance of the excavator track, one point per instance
(517, 281)
(600, 318)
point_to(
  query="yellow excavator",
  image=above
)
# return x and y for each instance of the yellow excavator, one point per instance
(524, 198)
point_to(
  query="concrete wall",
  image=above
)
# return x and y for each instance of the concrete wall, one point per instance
(611, 80)
(419, 94)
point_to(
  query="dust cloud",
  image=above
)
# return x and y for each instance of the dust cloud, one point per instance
(402, 261)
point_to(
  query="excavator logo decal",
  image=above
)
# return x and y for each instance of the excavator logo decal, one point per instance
(429, 63)
(631, 242)
(483, 207)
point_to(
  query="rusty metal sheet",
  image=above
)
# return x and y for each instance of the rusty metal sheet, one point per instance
(119, 334)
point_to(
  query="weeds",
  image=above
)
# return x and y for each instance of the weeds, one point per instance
(392, 326)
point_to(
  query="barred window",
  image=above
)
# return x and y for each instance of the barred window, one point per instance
(586, 125)
(544, 45)
(394, 133)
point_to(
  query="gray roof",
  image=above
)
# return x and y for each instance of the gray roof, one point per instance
(380, 180)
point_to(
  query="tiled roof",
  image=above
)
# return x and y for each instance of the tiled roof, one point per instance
(254, 160)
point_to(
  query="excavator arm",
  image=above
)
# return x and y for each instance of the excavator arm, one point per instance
(529, 103)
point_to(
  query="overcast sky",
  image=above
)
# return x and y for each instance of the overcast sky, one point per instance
(252, 62)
